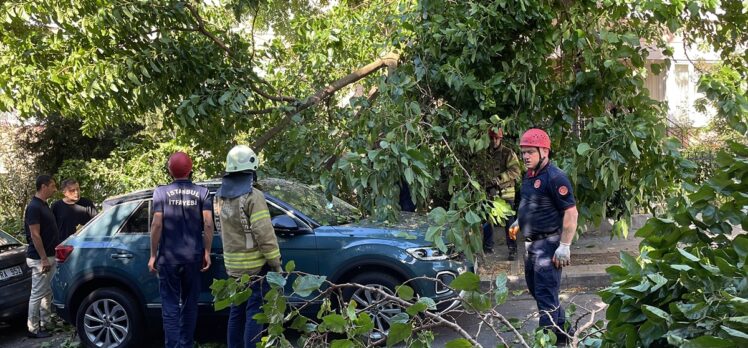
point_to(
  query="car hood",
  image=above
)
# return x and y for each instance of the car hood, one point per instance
(410, 227)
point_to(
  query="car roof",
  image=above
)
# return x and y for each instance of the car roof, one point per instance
(212, 185)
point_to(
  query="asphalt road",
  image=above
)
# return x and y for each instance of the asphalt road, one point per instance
(210, 335)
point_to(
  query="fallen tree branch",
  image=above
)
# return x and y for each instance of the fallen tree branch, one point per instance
(575, 340)
(390, 60)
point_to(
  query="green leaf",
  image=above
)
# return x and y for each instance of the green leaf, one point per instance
(333, 322)
(467, 281)
(708, 342)
(406, 235)
(431, 233)
(740, 243)
(423, 304)
(398, 333)
(222, 304)
(241, 296)
(477, 301)
(459, 343)
(405, 292)
(290, 266)
(409, 175)
(684, 268)
(133, 78)
(305, 285)
(351, 310)
(635, 150)
(739, 335)
(363, 323)
(225, 97)
(299, 322)
(276, 279)
(501, 292)
(430, 303)
(688, 255)
(145, 72)
(656, 314)
(342, 344)
(658, 279)
(738, 320)
(583, 148)
(472, 218)
(629, 263)
(416, 308)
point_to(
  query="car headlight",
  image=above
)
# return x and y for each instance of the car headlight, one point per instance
(428, 253)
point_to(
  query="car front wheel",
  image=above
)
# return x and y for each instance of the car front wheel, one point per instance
(374, 302)
(108, 318)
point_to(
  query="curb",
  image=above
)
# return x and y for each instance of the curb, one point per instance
(587, 281)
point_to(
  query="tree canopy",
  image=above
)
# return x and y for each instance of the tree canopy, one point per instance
(307, 86)
(361, 96)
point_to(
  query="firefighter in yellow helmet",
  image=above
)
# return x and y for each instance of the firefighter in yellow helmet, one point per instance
(249, 243)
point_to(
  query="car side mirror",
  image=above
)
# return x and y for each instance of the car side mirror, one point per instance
(285, 223)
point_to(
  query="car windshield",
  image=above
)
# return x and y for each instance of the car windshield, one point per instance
(7, 240)
(311, 201)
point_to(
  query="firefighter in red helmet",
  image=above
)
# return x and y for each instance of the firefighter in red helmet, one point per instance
(547, 217)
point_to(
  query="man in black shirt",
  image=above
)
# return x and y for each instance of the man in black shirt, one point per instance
(42, 236)
(72, 210)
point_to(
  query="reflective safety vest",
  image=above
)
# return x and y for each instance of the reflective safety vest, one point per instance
(247, 233)
(498, 170)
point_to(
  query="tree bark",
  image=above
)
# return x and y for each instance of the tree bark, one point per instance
(390, 61)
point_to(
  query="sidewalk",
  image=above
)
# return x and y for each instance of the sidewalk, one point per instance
(591, 254)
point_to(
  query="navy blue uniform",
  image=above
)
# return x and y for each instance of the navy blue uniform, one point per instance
(545, 198)
(180, 255)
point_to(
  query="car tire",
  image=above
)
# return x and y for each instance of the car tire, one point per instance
(380, 314)
(108, 318)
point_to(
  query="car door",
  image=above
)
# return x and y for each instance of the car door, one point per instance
(299, 245)
(217, 268)
(131, 249)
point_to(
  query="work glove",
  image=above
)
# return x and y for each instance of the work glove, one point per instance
(562, 256)
(514, 230)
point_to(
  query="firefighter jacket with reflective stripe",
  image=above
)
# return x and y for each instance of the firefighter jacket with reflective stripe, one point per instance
(498, 169)
(248, 237)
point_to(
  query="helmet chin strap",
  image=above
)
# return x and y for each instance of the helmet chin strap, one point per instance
(540, 162)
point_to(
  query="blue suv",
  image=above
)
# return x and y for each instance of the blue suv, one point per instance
(103, 287)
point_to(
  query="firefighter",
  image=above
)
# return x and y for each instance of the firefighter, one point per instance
(181, 237)
(547, 217)
(249, 243)
(500, 170)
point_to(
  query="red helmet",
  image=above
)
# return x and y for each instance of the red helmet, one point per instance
(496, 134)
(180, 165)
(536, 138)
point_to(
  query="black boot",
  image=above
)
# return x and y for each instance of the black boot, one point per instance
(512, 254)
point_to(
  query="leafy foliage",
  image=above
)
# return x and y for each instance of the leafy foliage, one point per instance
(688, 287)
(17, 184)
(339, 322)
(56, 139)
(199, 77)
(201, 72)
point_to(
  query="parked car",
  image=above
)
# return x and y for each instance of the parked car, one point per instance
(103, 287)
(15, 278)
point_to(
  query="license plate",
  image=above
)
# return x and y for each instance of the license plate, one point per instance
(10, 272)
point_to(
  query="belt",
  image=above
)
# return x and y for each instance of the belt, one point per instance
(541, 236)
